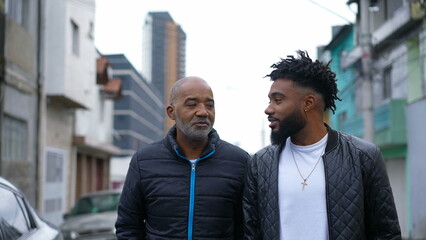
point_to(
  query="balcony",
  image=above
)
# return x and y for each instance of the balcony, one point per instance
(405, 17)
(390, 124)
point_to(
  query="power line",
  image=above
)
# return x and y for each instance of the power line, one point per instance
(330, 11)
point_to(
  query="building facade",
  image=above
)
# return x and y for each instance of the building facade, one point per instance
(77, 107)
(67, 53)
(345, 117)
(415, 112)
(395, 49)
(20, 87)
(93, 135)
(138, 115)
(163, 54)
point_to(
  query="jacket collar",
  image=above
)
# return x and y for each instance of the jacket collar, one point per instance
(170, 142)
(332, 138)
(331, 141)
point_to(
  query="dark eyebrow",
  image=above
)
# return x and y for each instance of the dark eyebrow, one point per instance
(276, 94)
(196, 99)
(191, 99)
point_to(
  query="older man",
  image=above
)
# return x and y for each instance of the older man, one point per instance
(190, 184)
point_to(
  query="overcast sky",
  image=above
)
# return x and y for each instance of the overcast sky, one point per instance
(231, 44)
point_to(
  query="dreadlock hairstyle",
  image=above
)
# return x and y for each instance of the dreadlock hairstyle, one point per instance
(306, 73)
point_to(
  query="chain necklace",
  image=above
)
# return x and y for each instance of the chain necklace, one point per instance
(304, 183)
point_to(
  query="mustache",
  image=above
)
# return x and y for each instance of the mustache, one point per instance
(201, 119)
(272, 118)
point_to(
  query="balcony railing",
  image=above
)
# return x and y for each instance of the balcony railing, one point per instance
(389, 124)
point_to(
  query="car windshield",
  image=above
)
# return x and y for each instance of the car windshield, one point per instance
(96, 203)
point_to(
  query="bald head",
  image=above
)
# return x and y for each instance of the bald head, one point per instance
(176, 89)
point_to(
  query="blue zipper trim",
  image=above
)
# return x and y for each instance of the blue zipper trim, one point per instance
(191, 200)
(177, 152)
(192, 190)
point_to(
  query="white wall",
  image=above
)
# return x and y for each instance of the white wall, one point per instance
(416, 131)
(54, 45)
(69, 76)
(81, 69)
(65, 73)
(397, 176)
(95, 123)
(118, 168)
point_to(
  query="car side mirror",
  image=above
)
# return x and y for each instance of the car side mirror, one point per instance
(66, 215)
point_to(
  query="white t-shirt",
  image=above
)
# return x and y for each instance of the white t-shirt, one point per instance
(303, 213)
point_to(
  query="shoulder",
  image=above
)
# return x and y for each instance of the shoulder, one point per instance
(267, 152)
(226, 148)
(355, 140)
(265, 155)
(360, 145)
(152, 150)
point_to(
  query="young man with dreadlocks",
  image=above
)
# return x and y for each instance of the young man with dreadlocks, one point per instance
(313, 182)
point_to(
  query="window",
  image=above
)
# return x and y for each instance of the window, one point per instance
(53, 205)
(96, 203)
(54, 184)
(359, 95)
(342, 119)
(101, 109)
(17, 10)
(14, 139)
(54, 163)
(387, 83)
(343, 57)
(91, 30)
(75, 38)
(13, 221)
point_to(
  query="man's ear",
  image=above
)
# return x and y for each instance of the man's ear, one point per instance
(170, 112)
(310, 102)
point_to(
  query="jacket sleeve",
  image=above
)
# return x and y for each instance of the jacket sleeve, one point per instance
(381, 216)
(130, 222)
(250, 203)
(238, 213)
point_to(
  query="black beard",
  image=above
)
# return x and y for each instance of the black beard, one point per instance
(278, 137)
(289, 126)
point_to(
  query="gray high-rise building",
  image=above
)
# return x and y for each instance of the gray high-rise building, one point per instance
(163, 54)
(138, 117)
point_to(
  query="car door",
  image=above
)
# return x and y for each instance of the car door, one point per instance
(14, 218)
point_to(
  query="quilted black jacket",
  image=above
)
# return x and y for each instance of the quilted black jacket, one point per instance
(359, 199)
(167, 197)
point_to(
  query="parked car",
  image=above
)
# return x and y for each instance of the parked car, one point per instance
(19, 220)
(92, 217)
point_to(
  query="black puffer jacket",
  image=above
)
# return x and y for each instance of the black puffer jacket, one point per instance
(167, 197)
(359, 199)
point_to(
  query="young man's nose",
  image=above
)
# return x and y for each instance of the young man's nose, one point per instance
(269, 110)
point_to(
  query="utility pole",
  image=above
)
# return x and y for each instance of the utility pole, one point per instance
(366, 76)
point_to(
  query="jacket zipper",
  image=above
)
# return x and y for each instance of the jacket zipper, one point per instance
(192, 190)
(191, 200)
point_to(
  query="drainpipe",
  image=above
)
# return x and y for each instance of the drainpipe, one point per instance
(2, 69)
(40, 109)
(422, 57)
